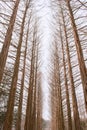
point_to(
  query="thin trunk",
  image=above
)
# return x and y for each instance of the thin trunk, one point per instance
(53, 102)
(35, 93)
(67, 93)
(18, 126)
(39, 107)
(30, 92)
(31, 110)
(60, 109)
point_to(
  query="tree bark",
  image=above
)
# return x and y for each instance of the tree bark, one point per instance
(59, 95)
(67, 94)
(18, 125)
(28, 119)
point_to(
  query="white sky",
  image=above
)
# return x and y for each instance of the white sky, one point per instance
(44, 13)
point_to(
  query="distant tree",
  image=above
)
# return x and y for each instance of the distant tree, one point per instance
(18, 125)
(31, 100)
(56, 87)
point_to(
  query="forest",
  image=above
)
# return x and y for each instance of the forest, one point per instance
(43, 64)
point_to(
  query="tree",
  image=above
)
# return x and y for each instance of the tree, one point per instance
(7, 40)
(66, 87)
(18, 125)
(57, 90)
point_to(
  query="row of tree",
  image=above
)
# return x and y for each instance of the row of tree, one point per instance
(20, 77)
(20, 71)
(68, 67)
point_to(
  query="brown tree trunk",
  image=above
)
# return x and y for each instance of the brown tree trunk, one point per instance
(79, 53)
(58, 89)
(28, 119)
(39, 106)
(32, 101)
(67, 93)
(35, 92)
(18, 126)
(10, 107)
(7, 41)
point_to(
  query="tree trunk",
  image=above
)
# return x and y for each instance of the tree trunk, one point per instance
(67, 94)
(28, 120)
(35, 92)
(39, 106)
(18, 126)
(7, 41)
(58, 83)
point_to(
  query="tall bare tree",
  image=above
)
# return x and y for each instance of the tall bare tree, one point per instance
(57, 91)
(67, 89)
(7, 40)
(18, 126)
(39, 104)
